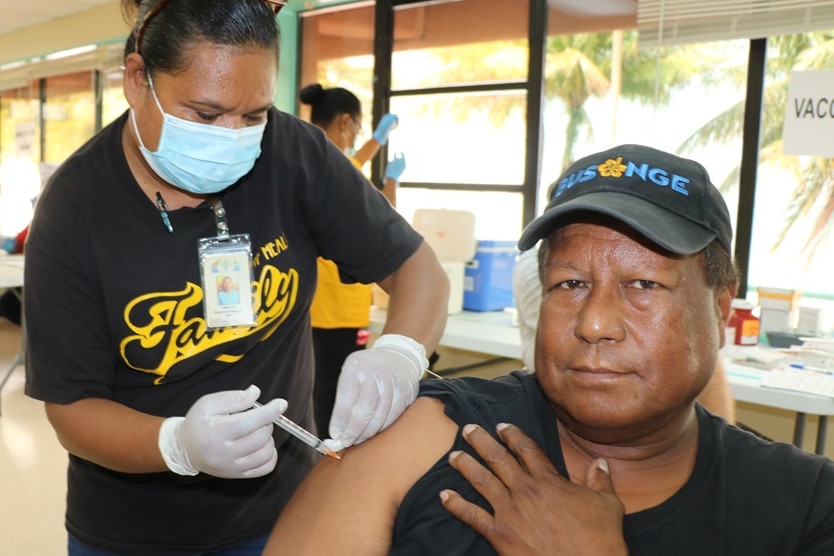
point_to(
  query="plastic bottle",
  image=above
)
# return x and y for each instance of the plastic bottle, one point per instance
(745, 323)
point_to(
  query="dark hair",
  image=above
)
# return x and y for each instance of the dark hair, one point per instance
(327, 104)
(720, 267)
(177, 24)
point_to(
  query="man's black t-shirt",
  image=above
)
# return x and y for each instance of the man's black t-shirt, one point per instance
(745, 496)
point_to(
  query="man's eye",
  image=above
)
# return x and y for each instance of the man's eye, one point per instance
(570, 284)
(644, 284)
(206, 117)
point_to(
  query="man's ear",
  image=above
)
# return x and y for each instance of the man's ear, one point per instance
(724, 300)
(135, 79)
(345, 123)
(723, 305)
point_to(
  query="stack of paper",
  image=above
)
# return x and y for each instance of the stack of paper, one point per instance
(810, 382)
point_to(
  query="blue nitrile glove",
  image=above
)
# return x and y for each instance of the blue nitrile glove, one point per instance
(395, 168)
(10, 243)
(221, 437)
(383, 129)
(375, 386)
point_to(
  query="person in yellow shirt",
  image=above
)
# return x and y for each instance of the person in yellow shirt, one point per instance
(340, 312)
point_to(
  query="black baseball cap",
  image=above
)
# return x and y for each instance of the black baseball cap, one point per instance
(668, 199)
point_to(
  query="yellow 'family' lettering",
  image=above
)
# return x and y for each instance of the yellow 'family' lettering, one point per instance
(158, 320)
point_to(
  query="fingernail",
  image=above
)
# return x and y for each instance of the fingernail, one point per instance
(467, 429)
(501, 426)
(603, 465)
(444, 495)
(454, 454)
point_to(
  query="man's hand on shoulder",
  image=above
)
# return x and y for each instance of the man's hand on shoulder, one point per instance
(536, 511)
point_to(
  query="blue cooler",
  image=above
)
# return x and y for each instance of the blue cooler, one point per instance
(488, 278)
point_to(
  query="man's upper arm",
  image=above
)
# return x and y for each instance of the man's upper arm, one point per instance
(349, 506)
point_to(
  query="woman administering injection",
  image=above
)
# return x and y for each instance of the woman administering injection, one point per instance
(145, 375)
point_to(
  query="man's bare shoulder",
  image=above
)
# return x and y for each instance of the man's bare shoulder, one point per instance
(351, 503)
(404, 451)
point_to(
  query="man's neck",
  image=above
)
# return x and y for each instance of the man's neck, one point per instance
(645, 472)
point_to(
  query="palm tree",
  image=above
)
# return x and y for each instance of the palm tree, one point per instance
(493, 62)
(573, 74)
(814, 190)
(578, 66)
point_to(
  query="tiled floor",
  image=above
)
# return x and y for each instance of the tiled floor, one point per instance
(32, 467)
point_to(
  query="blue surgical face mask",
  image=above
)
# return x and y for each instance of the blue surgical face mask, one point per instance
(201, 158)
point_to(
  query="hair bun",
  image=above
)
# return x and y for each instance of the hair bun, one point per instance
(311, 94)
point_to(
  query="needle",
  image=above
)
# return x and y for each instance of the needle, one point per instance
(303, 435)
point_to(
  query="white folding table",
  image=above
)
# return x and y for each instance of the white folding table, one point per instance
(11, 277)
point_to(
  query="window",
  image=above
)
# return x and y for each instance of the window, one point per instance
(658, 101)
(20, 152)
(68, 111)
(44, 119)
(337, 51)
(461, 93)
(462, 138)
(792, 221)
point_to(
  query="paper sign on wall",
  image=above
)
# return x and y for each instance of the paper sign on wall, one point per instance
(24, 139)
(809, 114)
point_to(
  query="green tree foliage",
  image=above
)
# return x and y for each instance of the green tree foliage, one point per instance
(814, 176)
(578, 67)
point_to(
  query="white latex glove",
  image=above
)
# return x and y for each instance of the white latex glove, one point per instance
(375, 386)
(221, 436)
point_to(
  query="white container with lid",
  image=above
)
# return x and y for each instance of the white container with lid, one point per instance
(451, 234)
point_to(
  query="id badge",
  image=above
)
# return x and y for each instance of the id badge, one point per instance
(227, 275)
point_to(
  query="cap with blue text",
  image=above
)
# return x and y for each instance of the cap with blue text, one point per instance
(666, 198)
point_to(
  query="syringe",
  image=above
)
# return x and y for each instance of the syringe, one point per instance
(303, 435)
